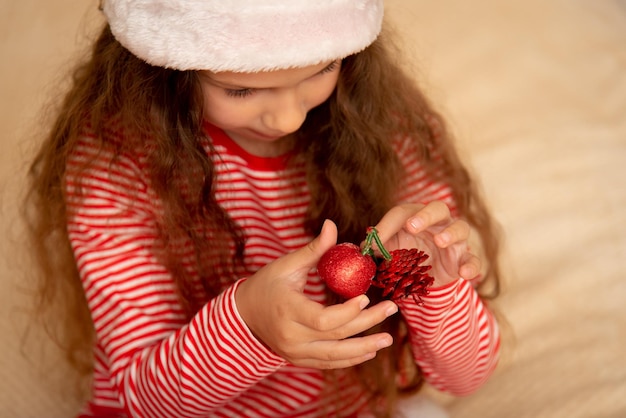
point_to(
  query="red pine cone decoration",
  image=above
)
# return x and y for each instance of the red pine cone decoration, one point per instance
(404, 275)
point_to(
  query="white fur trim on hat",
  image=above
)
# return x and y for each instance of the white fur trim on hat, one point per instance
(243, 35)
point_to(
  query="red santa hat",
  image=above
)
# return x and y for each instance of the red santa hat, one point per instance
(243, 35)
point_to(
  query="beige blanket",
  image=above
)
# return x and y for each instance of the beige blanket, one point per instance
(536, 93)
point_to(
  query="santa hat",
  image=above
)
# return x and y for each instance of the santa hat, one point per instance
(243, 35)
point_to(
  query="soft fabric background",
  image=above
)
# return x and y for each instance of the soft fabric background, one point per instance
(536, 93)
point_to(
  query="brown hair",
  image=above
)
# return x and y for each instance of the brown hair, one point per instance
(345, 143)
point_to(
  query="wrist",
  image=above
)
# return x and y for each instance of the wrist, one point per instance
(242, 305)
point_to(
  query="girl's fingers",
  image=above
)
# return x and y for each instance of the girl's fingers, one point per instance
(458, 231)
(343, 353)
(413, 218)
(469, 266)
(344, 320)
(431, 214)
(319, 318)
(337, 364)
(323, 343)
(395, 220)
(364, 321)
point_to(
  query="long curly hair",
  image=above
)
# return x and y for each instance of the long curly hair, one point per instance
(344, 143)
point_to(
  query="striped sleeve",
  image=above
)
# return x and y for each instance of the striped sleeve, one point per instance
(159, 363)
(455, 338)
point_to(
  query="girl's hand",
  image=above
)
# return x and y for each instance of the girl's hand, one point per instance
(431, 229)
(304, 332)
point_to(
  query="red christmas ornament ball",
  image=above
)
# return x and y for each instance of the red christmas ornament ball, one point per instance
(346, 270)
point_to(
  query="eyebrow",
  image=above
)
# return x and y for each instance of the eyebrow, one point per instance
(240, 87)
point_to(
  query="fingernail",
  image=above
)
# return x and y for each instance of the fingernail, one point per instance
(384, 342)
(444, 237)
(416, 223)
(364, 301)
(392, 309)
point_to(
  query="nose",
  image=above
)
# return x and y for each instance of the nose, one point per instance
(286, 112)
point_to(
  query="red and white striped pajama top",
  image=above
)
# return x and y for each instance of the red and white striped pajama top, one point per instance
(151, 362)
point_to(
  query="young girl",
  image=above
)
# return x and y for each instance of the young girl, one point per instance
(206, 156)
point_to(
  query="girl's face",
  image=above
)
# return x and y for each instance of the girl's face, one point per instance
(260, 110)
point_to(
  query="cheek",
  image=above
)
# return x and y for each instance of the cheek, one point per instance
(321, 92)
(221, 111)
(212, 112)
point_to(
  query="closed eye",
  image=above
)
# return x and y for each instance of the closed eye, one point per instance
(330, 67)
(245, 92)
(239, 92)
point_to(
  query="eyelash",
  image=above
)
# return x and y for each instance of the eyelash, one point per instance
(331, 67)
(241, 93)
